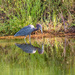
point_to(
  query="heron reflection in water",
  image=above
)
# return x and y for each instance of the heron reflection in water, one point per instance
(28, 48)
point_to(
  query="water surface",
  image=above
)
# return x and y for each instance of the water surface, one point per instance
(44, 56)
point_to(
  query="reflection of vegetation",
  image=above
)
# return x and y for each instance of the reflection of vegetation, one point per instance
(60, 53)
(59, 47)
(57, 59)
(16, 14)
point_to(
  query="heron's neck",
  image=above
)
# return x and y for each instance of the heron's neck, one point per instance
(36, 29)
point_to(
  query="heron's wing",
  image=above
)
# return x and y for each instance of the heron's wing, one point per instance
(25, 31)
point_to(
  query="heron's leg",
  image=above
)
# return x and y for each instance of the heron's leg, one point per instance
(30, 38)
(25, 39)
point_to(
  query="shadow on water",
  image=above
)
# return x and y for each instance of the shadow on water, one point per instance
(56, 56)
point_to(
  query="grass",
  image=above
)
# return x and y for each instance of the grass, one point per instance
(16, 14)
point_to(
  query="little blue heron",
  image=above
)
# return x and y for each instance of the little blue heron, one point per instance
(28, 30)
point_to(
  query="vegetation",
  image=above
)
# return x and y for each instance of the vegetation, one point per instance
(57, 59)
(15, 14)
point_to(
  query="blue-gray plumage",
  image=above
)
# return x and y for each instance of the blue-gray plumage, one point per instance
(28, 48)
(28, 30)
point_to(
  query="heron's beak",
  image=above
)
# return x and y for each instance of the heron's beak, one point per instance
(41, 30)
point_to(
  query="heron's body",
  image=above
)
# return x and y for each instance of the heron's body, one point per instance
(28, 30)
(25, 31)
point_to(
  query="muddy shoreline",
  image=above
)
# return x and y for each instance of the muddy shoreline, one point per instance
(39, 35)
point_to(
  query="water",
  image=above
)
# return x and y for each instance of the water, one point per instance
(44, 56)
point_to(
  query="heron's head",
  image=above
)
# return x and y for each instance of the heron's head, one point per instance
(39, 26)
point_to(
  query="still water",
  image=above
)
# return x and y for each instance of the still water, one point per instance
(44, 56)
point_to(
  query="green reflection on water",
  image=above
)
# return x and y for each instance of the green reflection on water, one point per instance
(57, 58)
